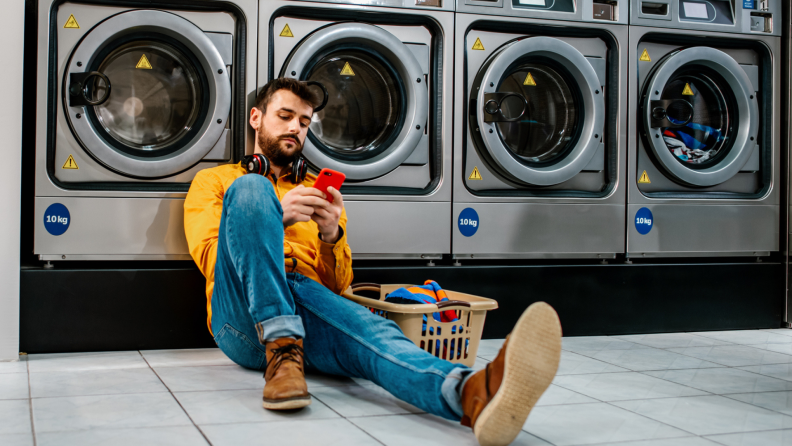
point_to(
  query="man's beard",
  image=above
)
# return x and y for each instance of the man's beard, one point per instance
(271, 147)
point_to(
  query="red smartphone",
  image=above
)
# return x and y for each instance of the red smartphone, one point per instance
(327, 178)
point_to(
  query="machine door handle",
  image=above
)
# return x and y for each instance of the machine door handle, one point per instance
(78, 89)
(493, 107)
(670, 113)
(326, 95)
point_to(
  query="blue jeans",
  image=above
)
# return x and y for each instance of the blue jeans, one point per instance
(254, 299)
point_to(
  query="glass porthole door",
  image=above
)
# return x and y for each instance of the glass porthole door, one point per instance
(147, 94)
(539, 111)
(700, 115)
(377, 100)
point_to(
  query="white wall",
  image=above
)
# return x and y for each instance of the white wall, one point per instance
(11, 34)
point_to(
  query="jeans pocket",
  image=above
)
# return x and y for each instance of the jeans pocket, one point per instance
(240, 349)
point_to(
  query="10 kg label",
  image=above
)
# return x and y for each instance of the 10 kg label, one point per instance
(56, 219)
(643, 221)
(468, 222)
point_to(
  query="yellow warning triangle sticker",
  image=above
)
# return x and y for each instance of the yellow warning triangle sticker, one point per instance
(475, 175)
(70, 163)
(478, 45)
(687, 91)
(286, 31)
(144, 63)
(72, 23)
(347, 70)
(644, 178)
(529, 80)
(645, 56)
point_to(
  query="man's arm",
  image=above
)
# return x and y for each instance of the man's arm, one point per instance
(203, 208)
(334, 262)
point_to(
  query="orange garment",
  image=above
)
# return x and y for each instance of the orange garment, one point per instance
(328, 264)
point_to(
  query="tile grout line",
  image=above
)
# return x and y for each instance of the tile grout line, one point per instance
(639, 399)
(617, 443)
(728, 344)
(633, 412)
(736, 366)
(756, 405)
(743, 432)
(711, 393)
(656, 421)
(30, 402)
(348, 420)
(175, 399)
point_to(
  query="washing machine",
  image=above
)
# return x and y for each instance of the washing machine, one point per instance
(704, 148)
(539, 128)
(386, 68)
(132, 101)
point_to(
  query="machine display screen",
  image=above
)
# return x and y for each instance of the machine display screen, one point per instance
(712, 11)
(533, 2)
(695, 10)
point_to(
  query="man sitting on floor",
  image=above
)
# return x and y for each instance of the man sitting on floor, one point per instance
(275, 256)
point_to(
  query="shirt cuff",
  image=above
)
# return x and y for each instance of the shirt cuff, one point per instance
(329, 248)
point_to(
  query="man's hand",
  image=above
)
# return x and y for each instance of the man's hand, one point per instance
(299, 204)
(326, 215)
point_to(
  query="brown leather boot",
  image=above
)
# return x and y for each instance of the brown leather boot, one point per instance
(496, 401)
(285, 388)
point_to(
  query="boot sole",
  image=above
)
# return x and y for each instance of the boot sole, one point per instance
(531, 362)
(286, 404)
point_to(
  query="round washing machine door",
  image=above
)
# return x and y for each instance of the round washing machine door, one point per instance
(700, 115)
(147, 94)
(377, 99)
(539, 110)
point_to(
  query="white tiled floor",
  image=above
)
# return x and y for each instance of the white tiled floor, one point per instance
(730, 388)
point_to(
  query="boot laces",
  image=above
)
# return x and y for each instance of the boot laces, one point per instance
(290, 352)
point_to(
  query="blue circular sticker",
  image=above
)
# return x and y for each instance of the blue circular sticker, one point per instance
(468, 222)
(56, 219)
(643, 221)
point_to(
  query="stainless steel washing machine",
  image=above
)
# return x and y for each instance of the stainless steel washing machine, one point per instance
(539, 129)
(132, 101)
(704, 148)
(386, 67)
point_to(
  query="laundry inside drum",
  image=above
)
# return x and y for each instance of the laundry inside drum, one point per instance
(701, 113)
(364, 107)
(545, 124)
(155, 96)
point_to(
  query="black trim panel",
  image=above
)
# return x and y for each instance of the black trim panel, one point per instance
(131, 306)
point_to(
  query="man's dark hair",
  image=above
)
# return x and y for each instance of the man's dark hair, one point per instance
(299, 88)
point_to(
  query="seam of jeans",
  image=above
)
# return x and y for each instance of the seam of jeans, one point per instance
(244, 338)
(383, 355)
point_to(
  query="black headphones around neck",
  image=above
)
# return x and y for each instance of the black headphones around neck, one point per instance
(259, 164)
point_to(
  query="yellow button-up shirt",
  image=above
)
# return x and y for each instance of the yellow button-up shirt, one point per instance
(304, 252)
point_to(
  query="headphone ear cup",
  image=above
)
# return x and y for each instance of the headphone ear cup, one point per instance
(256, 163)
(249, 163)
(299, 170)
(264, 163)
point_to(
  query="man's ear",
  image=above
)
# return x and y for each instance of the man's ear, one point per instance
(255, 118)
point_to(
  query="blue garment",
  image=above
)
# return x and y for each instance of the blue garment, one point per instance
(429, 293)
(254, 298)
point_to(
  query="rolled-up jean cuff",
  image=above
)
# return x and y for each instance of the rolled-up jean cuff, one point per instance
(280, 327)
(449, 389)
